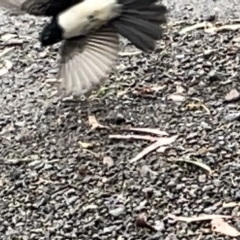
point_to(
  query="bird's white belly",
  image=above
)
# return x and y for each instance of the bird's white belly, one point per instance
(87, 15)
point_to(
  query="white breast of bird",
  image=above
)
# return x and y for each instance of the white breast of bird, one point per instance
(87, 15)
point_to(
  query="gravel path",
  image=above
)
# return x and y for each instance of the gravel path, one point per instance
(52, 188)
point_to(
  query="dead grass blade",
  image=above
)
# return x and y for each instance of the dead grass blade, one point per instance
(5, 67)
(128, 54)
(137, 137)
(220, 226)
(232, 27)
(6, 51)
(154, 131)
(160, 142)
(230, 204)
(199, 164)
(195, 26)
(197, 218)
(92, 121)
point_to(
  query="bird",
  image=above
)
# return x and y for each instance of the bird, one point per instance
(89, 32)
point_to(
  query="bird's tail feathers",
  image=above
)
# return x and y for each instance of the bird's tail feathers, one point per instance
(140, 22)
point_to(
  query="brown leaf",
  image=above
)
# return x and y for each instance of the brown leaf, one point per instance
(141, 220)
(160, 142)
(197, 218)
(220, 226)
(92, 121)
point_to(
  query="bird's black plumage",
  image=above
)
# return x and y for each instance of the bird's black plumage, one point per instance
(47, 7)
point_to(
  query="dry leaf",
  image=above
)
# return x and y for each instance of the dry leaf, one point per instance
(220, 226)
(160, 142)
(198, 105)
(5, 67)
(85, 145)
(92, 121)
(141, 222)
(154, 131)
(137, 137)
(197, 218)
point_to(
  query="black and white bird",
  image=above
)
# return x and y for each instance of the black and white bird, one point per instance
(90, 32)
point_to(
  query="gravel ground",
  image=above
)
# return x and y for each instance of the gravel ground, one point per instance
(52, 188)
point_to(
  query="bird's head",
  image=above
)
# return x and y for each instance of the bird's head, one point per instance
(51, 34)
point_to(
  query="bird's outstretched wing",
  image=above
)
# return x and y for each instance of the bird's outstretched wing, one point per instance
(86, 62)
(38, 7)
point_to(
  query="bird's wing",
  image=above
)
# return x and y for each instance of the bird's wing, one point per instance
(86, 62)
(38, 7)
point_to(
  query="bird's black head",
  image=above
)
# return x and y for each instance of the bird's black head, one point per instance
(51, 34)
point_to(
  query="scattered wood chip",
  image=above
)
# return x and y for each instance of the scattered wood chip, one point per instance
(154, 131)
(201, 25)
(197, 163)
(5, 67)
(230, 204)
(197, 218)
(137, 137)
(160, 142)
(220, 226)
(92, 121)
(233, 95)
(85, 145)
